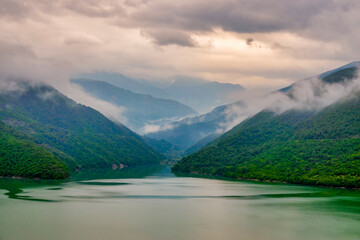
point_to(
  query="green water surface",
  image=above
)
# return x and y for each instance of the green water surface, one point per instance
(151, 203)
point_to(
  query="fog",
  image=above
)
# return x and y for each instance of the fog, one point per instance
(311, 94)
(262, 45)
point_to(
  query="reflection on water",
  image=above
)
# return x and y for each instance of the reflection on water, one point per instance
(15, 186)
(130, 172)
(151, 203)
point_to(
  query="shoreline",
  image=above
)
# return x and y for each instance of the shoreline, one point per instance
(264, 181)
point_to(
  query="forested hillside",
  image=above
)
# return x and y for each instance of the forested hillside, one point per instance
(20, 157)
(78, 135)
(318, 147)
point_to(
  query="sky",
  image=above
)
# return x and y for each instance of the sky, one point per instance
(256, 43)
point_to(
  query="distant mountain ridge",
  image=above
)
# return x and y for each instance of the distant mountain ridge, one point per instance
(200, 94)
(140, 86)
(195, 132)
(139, 109)
(197, 93)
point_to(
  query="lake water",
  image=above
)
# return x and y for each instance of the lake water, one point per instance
(151, 203)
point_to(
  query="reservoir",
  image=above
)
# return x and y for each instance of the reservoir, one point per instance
(151, 203)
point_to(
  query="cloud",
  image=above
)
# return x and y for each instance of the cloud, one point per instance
(81, 39)
(95, 8)
(170, 37)
(150, 128)
(197, 38)
(249, 41)
(10, 50)
(314, 94)
(111, 111)
(7, 85)
(19, 65)
(311, 94)
(19, 61)
(14, 9)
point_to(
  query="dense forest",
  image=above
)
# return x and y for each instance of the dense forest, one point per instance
(78, 136)
(309, 147)
(22, 158)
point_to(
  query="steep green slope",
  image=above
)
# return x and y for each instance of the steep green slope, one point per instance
(319, 148)
(200, 144)
(78, 135)
(20, 157)
(171, 152)
(193, 133)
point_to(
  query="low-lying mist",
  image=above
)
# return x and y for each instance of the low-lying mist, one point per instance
(311, 94)
(305, 95)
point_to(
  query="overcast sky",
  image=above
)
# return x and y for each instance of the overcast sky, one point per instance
(256, 43)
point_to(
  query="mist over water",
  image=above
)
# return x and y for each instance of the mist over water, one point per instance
(150, 203)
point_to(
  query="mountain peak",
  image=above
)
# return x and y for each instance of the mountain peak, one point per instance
(354, 64)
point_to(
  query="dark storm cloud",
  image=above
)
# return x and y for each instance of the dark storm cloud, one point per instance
(239, 16)
(168, 22)
(119, 35)
(169, 37)
(249, 41)
(243, 16)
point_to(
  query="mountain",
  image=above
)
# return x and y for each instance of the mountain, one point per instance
(78, 136)
(140, 109)
(170, 151)
(200, 144)
(338, 75)
(200, 94)
(307, 146)
(22, 157)
(135, 85)
(352, 65)
(198, 130)
(192, 133)
(197, 93)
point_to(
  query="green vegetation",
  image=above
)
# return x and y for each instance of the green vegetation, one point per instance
(62, 130)
(318, 148)
(20, 157)
(342, 75)
(172, 152)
